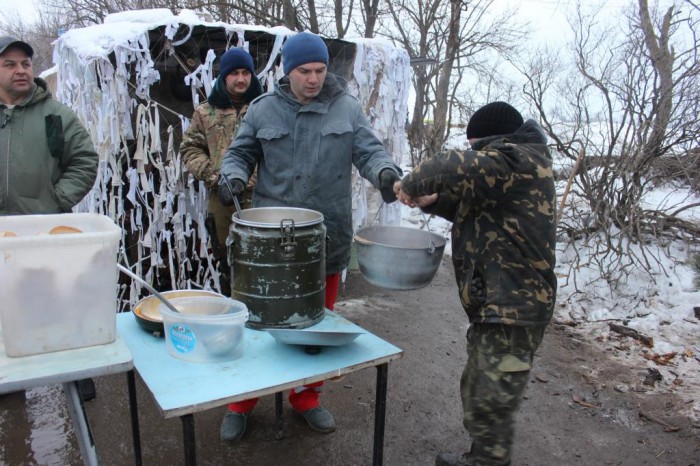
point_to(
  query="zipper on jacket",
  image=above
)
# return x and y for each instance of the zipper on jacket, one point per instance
(4, 201)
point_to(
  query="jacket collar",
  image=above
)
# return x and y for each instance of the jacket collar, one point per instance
(529, 133)
(333, 87)
(38, 92)
(219, 98)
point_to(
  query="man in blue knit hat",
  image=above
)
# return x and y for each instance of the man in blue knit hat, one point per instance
(304, 138)
(210, 132)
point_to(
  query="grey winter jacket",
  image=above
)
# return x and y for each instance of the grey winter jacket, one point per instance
(305, 155)
(48, 162)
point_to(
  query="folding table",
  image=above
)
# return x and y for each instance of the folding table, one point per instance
(182, 388)
(67, 367)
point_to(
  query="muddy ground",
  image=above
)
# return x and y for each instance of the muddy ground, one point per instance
(574, 412)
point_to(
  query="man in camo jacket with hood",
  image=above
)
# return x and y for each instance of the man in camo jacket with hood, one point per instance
(211, 130)
(500, 196)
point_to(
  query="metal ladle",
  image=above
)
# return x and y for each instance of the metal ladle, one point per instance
(148, 287)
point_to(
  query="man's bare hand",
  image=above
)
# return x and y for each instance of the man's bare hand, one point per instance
(420, 201)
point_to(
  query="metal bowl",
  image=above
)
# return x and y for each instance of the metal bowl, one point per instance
(147, 310)
(307, 337)
(399, 258)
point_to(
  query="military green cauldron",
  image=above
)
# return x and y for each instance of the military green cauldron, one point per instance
(278, 264)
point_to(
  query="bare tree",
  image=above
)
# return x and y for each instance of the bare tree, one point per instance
(370, 15)
(631, 107)
(38, 34)
(454, 37)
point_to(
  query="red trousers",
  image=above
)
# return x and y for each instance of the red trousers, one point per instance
(306, 397)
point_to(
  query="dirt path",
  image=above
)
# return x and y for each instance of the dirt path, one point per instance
(574, 412)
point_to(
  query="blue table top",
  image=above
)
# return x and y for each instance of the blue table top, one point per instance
(266, 367)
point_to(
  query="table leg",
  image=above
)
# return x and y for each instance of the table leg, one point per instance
(134, 411)
(278, 416)
(379, 414)
(80, 423)
(188, 437)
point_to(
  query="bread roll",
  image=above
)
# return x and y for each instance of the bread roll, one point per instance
(7, 234)
(62, 229)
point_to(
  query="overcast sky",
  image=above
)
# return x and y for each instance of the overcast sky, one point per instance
(546, 16)
(25, 7)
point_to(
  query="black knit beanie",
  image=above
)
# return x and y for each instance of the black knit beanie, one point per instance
(494, 119)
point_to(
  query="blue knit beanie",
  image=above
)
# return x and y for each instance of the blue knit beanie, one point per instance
(234, 59)
(303, 48)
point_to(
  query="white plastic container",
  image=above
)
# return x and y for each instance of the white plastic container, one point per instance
(206, 329)
(59, 291)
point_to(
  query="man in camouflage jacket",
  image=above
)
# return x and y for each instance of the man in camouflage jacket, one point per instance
(211, 130)
(500, 197)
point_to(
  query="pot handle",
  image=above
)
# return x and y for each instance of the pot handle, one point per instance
(431, 243)
(426, 221)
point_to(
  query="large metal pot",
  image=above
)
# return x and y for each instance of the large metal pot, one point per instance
(398, 258)
(278, 263)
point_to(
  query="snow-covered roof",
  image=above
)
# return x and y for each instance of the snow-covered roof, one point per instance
(121, 28)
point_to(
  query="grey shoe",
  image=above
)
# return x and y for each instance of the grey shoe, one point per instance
(454, 459)
(232, 427)
(319, 419)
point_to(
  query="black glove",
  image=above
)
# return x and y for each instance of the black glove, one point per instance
(387, 178)
(230, 189)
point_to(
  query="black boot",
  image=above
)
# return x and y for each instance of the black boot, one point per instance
(86, 387)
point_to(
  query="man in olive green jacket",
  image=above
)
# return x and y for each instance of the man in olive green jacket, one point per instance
(211, 130)
(48, 162)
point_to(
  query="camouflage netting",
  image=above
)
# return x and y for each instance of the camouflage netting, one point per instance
(134, 82)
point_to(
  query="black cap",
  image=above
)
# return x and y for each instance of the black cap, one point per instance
(494, 119)
(9, 41)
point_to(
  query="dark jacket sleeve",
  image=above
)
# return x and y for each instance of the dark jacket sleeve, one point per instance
(78, 163)
(245, 150)
(369, 155)
(460, 177)
(438, 174)
(446, 206)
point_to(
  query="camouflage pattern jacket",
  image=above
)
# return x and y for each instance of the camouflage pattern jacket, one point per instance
(501, 199)
(210, 133)
(213, 126)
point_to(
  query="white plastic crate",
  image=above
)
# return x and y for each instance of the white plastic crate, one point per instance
(59, 292)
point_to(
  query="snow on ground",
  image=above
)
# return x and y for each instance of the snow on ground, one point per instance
(658, 303)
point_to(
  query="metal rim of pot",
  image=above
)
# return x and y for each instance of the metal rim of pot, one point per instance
(256, 217)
